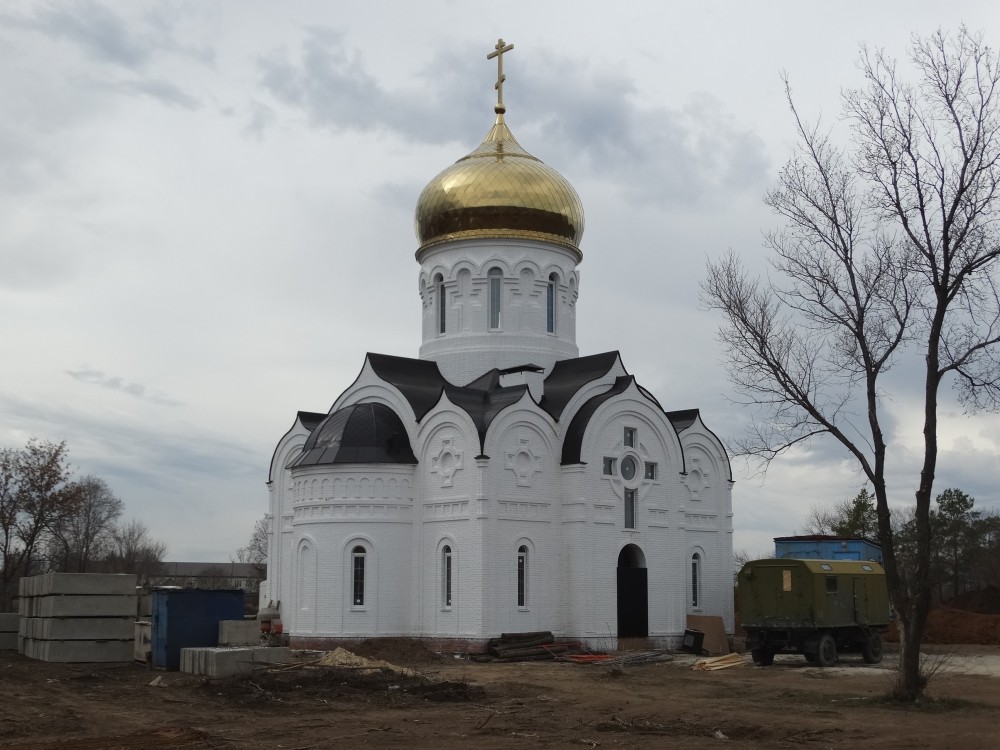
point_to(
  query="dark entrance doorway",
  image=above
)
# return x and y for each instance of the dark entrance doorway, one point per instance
(633, 603)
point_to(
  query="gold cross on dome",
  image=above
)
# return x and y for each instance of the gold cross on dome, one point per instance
(497, 52)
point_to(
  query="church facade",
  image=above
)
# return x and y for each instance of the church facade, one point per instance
(499, 482)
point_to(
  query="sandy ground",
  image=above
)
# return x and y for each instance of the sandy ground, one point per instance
(456, 703)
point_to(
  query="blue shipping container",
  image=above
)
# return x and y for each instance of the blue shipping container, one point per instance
(818, 547)
(189, 618)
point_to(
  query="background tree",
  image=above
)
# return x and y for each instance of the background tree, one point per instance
(954, 527)
(36, 493)
(255, 551)
(79, 539)
(893, 242)
(134, 550)
(855, 518)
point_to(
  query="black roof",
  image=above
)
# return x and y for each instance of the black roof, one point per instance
(683, 419)
(364, 433)
(422, 384)
(578, 425)
(570, 375)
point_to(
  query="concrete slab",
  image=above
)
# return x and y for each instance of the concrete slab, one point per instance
(8, 641)
(239, 633)
(106, 584)
(9, 622)
(223, 662)
(81, 606)
(78, 628)
(77, 651)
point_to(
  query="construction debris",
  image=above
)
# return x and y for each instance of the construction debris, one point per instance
(719, 662)
(341, 657)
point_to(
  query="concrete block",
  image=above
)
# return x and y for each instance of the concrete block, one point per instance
(77, 651)
(79, 628)
(106, 584)
(239, 632)
(223, 662)
(82, 606)
(8, 641)
(9, 622)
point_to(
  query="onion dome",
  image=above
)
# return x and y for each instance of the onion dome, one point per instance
(499, 191)
(358, 434)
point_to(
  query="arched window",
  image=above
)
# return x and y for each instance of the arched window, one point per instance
(495, 278)
(358, 576)
(550, 304)
(442, 302)
(629, 509)
(446, 576)
(696, 580)
(522, 576)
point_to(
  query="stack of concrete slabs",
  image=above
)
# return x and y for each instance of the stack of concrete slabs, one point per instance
(78, 617)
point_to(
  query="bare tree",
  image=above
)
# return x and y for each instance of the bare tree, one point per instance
(891, 243)
(255, 552)
(35, 494)
(79, 539)
(134, 550)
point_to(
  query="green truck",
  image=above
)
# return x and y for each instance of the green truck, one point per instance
(813, 607)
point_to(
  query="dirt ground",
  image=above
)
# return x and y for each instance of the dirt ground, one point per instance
(457, 703)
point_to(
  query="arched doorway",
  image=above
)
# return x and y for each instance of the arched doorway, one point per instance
(633, 601)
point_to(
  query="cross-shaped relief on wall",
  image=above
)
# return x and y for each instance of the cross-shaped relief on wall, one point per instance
(446, 462)
(523, 462)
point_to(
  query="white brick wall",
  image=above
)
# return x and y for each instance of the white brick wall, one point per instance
(570, 517)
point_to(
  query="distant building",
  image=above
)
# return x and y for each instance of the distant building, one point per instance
(209, 575)
(823, 547)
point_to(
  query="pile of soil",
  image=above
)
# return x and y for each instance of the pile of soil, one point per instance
(984, 601)
(397, 651)
(332, 683)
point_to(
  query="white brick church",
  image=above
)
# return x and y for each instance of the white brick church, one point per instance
(501, 482)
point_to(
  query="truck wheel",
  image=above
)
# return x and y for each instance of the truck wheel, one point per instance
(762, 656)
(826, 652)
(871, 649)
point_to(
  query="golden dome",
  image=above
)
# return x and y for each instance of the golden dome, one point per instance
(499, 191)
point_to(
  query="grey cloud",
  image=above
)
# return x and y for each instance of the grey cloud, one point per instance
(114, 383)
(107, 36)
(142, 451)
(162, 91)
(101, 33)
(594, 119)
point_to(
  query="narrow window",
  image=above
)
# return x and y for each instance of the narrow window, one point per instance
(358, 556)
(550, 304)
(831, 584)
(630, 437)
(442, 302)
(629, 509)
(609, 466)
(495, 279)
(650, 470)
(695, 578)
(522, 576)
(446, 576)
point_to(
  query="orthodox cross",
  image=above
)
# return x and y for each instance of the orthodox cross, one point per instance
(497, 52)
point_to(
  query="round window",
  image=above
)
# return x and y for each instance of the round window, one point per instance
(628, 468)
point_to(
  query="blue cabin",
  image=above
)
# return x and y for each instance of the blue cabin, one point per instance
(821, 547)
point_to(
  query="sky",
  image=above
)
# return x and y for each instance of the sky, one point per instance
(206, 218)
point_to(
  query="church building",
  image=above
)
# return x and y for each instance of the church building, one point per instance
(500, 482)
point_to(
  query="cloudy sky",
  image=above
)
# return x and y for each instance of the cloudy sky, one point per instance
(206, 217)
